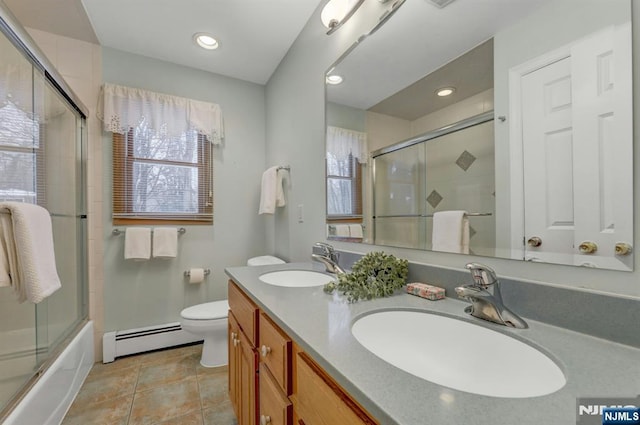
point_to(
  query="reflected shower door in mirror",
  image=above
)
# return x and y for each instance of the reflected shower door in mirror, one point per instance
(449, 170)
(557, 76)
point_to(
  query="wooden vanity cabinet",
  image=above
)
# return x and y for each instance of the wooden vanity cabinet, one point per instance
(243, 357)
(275, 407)
(289, 388)
(319, 400)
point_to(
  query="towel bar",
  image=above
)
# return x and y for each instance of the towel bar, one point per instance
(118, 232)
(472, 214)
(283, 167)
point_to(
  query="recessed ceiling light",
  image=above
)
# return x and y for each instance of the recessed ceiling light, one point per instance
(445, 91)
(334, 79)
(205, 41)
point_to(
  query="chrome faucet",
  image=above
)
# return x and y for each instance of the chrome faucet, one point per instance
(486, 299)
(329, 257)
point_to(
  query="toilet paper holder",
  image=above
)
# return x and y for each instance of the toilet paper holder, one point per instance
(187, 273)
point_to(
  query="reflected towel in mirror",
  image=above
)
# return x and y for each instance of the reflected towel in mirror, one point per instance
(450, 232)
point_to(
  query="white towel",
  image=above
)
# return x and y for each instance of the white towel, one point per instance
(272, 194)
(27, 245)
(165, 242)
(137, 243)
(355, 230)
(450, 232)
(280, 201)
(342, 230)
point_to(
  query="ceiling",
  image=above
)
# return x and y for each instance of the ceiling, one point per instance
(254, 35)
(408, 55)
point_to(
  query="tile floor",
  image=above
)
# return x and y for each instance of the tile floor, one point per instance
(167, 387)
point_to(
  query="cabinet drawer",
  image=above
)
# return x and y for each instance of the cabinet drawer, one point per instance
(275, 352)
(245, 311)
(320, 401)
(275, 407)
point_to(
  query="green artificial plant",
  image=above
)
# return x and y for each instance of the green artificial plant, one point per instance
(375, 275)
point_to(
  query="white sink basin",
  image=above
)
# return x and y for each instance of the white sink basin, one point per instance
(458, 354)
(296, 278)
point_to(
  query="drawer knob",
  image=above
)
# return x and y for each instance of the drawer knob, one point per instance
(236, 342)
(265, 350)
(265, 420)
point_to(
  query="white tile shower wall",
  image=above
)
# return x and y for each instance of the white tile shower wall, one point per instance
(80, 64)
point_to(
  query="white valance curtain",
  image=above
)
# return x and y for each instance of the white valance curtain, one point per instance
(122, 108)
(342, 142)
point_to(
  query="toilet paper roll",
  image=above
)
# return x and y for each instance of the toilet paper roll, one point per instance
(196, 275)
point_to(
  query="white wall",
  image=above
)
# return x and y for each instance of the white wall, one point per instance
(153, 292)
(295, 120)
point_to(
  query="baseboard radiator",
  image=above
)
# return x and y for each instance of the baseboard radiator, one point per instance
(132, 341)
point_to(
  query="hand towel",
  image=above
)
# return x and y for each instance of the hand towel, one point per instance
(450, 232)
(165, 242)
(137, 243)
(355, 230)
(268, 192)
(27, 245)
(272, 194)
(280, 201)
(342, 230)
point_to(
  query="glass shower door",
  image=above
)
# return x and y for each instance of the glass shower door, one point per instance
(399, 206)
(18, 144)
(60, 182)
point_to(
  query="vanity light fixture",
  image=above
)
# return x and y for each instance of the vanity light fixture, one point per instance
(206, 41)
(334, 79)
(337, 12)
(445, 91)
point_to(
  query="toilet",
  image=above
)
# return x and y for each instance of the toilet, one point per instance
(209, 320)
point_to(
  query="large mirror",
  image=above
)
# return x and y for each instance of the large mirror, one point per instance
(529, 157)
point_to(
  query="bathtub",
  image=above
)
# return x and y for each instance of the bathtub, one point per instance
(46, 404)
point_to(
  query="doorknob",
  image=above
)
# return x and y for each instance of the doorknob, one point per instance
(534, 241)
(588, 247)
(623, 248)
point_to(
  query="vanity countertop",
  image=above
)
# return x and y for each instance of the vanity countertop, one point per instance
(321, 324)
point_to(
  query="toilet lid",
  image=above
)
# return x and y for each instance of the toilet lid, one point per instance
(264, 260)
(207, 311)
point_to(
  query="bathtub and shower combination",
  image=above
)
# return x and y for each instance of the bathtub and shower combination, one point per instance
(46, 349)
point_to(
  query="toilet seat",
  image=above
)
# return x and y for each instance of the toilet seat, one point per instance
(206, 311)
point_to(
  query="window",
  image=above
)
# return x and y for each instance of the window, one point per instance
(162, 150)
(346, 155)
(344, 187)
(21, 157)
(158, 177)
